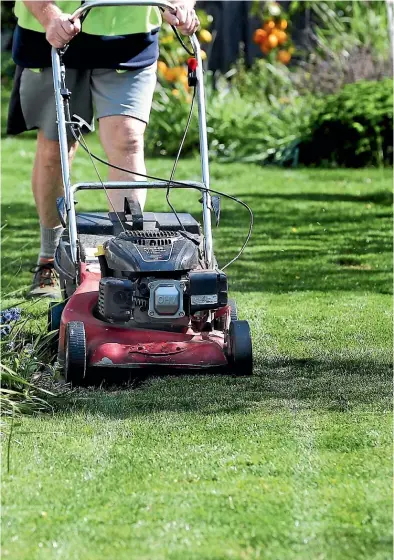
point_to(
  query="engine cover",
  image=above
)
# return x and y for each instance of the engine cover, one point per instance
(166, 299)
(152, 251)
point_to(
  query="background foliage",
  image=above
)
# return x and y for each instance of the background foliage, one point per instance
(267, 112)
(352, 128)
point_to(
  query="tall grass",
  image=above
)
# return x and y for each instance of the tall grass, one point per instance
(29, 380)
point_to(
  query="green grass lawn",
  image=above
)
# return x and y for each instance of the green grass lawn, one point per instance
(294, 463)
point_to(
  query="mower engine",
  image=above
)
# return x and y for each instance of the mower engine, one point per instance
(156, 277)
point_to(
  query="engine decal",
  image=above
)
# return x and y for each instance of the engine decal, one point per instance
(205, 299)
(155, 253)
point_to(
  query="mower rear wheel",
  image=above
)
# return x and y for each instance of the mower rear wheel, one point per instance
(241, 355)
(75, 353)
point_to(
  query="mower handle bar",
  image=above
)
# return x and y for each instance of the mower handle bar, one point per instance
(112, 185)
(163, 4)
(59, 74)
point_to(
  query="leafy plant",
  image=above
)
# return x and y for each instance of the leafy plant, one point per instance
(265, 133)
(353, 128)
(345, 25)
(265, 80)
(239, 128)
(28, 382)
(18, 396)
(345, 42)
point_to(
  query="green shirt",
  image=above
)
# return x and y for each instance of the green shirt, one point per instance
(108, 21)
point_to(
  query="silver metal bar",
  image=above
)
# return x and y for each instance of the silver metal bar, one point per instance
(202, 122)
(164, 4)
(58, 79)
(112, 185)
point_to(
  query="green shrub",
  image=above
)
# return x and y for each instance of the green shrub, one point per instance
(352, 128)
(263, 132)
(239, 128)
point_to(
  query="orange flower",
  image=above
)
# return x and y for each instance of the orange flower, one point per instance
(280, 35)
(183, 79)
(283, 24)
(272, 41)
(284, 57)
(265, 48)
(269, 26)
(205, 36)
(162, 67)
(171, 74)
(259, 36)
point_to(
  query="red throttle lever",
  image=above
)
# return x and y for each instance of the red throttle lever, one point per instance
(192, 71)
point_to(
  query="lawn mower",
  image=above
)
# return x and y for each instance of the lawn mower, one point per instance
(141, 289)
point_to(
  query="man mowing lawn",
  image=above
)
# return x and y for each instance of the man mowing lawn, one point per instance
(111, 64)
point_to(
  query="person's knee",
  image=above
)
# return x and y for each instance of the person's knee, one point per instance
(126, 139)
(49, 151)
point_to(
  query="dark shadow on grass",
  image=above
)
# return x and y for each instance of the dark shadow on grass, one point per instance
(283, 384)
(381, 197)
(295, 246)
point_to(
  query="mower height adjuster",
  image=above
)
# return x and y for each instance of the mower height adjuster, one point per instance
(65, 93)
(192, 72)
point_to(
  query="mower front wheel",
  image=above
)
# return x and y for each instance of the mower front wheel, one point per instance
(75, 353)
(241, 355)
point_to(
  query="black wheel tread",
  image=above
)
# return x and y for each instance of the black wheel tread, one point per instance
(76, 350)
(241, 357)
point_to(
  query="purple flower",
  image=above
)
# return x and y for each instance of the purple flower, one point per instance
(8, 315)
(5, 331)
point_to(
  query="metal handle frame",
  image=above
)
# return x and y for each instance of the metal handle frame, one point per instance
(59, 81)
(81, 11)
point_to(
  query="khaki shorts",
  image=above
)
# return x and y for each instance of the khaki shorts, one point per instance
(109, 92)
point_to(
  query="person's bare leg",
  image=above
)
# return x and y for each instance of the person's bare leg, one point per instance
(47, 186)
(47, 179)
(122, 138)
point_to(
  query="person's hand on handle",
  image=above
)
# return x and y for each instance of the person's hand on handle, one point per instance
(58, 27)
(60, 30)
(184, 18)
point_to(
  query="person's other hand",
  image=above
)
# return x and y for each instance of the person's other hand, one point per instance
(185, 17)
(60, 30)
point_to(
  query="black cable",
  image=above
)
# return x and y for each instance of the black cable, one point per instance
(192, 53)
(177, 160)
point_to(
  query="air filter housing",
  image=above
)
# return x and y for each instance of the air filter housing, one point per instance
(152, 251)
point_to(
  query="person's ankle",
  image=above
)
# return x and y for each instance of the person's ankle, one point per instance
(45, 260)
